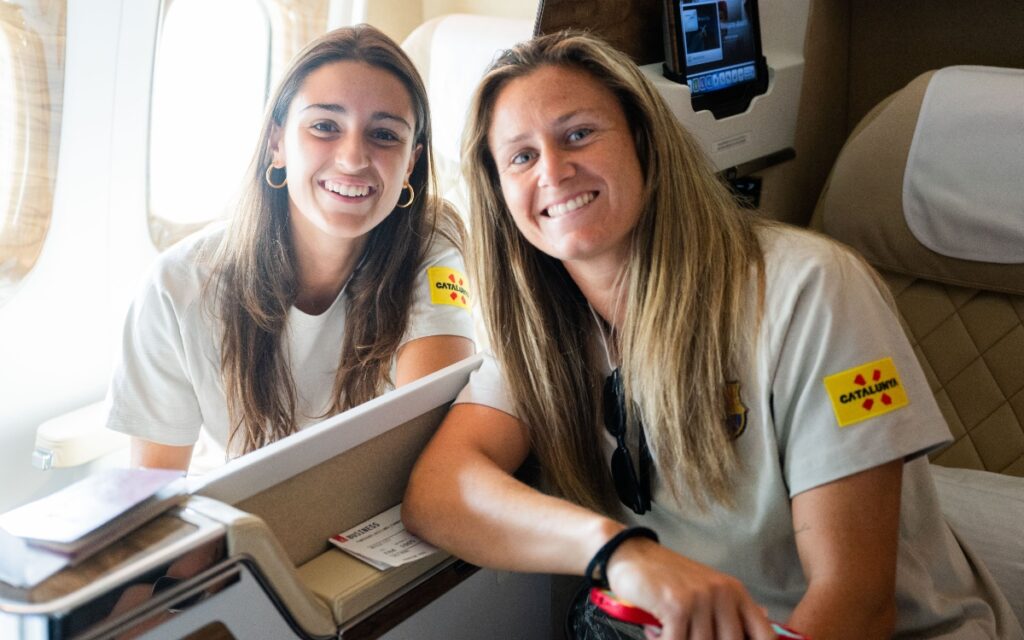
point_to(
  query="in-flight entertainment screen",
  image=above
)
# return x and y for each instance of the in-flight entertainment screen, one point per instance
(717, 48)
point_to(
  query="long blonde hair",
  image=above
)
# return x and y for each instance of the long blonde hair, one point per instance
(255, 281)
(687, 283)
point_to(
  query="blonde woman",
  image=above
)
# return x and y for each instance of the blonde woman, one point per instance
(682, 372)
(322, 292)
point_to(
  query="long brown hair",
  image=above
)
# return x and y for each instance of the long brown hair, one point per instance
(255, 281)
(687, 280)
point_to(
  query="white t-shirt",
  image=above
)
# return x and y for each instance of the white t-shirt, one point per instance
(823, 317)
(168, 387)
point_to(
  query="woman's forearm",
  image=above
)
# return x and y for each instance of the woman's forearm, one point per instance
(462, 497)
(847, 534)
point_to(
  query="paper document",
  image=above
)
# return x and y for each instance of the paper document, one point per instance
(23, 566)
(116, 498)
(41, 538)
(382, 541)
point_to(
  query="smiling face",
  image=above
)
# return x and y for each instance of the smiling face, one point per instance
(347, 145)
(568, 166)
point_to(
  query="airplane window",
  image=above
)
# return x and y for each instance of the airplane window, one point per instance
(7, 121)
(31, 87)
(208, 98)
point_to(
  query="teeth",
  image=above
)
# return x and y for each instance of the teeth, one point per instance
(570, 205)
(348, 190)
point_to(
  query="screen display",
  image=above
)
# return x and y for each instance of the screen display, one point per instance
(719, 41)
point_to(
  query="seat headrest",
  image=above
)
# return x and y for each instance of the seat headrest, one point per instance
(931, 182)
(452, 52)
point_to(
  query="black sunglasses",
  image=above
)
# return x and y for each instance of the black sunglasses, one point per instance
(634, 490)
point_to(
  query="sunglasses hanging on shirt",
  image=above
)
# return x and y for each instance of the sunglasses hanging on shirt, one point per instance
(634, 489)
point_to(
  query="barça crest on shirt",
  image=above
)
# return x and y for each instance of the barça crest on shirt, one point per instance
(735, 410)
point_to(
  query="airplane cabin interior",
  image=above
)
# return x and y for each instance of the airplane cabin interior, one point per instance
(895, 128)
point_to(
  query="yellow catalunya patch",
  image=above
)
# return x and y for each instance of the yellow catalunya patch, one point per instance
(448, 286)
(867, 391)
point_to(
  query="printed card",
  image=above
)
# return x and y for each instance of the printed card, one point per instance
(382, 541)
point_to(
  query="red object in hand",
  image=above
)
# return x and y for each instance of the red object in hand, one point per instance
(606, 601)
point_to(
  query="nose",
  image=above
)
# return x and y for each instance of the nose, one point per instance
(351, 152)
(554, 165)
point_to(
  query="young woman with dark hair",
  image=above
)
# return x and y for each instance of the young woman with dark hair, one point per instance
(338, 277)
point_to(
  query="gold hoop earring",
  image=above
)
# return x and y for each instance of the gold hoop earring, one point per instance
(412, 196)
(270, 181)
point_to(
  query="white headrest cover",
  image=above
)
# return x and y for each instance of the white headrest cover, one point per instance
(963, 188)
(452, 52)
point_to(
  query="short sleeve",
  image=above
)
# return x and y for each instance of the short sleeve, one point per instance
(442, 296)
(487, 387)
(151, 395)
(848, 393)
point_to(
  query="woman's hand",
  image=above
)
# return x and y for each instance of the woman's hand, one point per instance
(692, 600)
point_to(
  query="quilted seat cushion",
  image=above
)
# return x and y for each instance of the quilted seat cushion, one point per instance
(971, 346)
(964, 317)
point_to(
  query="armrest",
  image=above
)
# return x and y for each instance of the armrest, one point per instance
(250, 537)
(75, 438)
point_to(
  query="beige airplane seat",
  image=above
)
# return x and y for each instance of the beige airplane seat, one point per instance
(248, 555)
(452, 52)
(929, 188)
(289, 498)
(269, 516)
(955, 266)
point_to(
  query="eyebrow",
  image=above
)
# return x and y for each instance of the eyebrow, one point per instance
(377, 115)
(562, 119)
